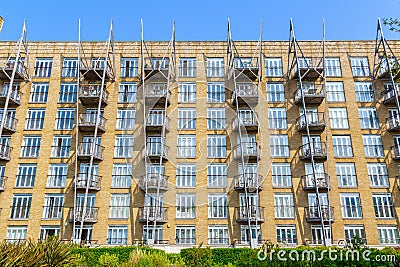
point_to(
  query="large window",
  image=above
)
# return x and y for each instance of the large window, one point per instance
(154, 233)
(129, 67)
(215, 67)
(186, 92)
(186, 118)
(53, 206)
(218, 235)
(281, 175)
(383, 206)
(16, 233)
(332, 67)
(26, 175)
(388, 234)
(123, 146)
(216, 175)
(368, 118)
(119, 206)
(286, 234)
(373, 146)
(216, 119)
(215, 92)
(48, 230)
(68, 93)
(335, 92)
(354, 231)
(39, 93)
(61, 146)
(346, 174)
(30, 146)
(185, 234)
(187, 67)
(279, 146)
(275, 92)
(359, 66)
(364, 92)
(117, 235)
(57, 175)
(35, 119)
(277, 118)
(342, 147)
(21, 206)
(378, 175)
(65, 119)
(273, 67)
(186, 175)
(127, 93)
(217, 206)
(43, 67)
(186, 146)
(70, 68)
(216, 146)
(126, 119)
(185, 206)
(338, 118)
(284, 205)
(351, 205)
(121, 175)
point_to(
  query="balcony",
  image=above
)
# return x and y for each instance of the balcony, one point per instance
(156, 120)
(320, 181)
(83, 181)
(253, 214)
(385, 70)
(312, 214)
(149, 214)
(15, 96)
(90, 215)
(158, 66)
(87, 123)
(87, 149)
(154, 181)
(251, 151)
(317, 150)
(3, 180)
(247, 66)
(393, 123)
(309, 68)
(395, 152)
(315, 120)
(247, 120)
(249, 181)
(7, 68)
(245, 94)
(155, 151)
(157, 94)
(90, 95)
(389, 95)
(10, 123)
(5, 152)
(312, 95)
(96, 71)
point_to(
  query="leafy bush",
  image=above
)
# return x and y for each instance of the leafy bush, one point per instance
(109, 260)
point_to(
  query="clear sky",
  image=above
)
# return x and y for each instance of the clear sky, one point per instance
(196, 19)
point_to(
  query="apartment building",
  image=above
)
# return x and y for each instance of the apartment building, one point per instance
(225, 143)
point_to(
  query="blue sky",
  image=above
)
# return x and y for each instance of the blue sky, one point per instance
(196, 19)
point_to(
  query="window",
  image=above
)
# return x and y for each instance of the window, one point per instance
(216, 146)
(216, 175)
(368, 118)
(332, 67)
(185, 206)
(159, 63)
(65, 119)
(57, 175)
(26, 175)
(217, 206)
(373, 146)
(86, 236)
(218, 235)
(186, 92)
(342, 147)
(335, 92)
(156, 146)
(279, 146)
(70, 68)
(186, 146)
(245, 235)
(388, 234)
(53, 206)
(216, 119)
(68, 93)
(121, 176)
(186, 118)
(354, 231)
(281, 175)
(286, 234)
(284, 206)
(346, 174)
(16, 233)
(318, 234)
(15, 94)
(378, 175)
(123, 146)
(49, 230)
(119, 206)
(61, 146)
(277, 118)
(39, 93)
(43, 67)
(35, 119)
(215, 67)
(364, 92)
(127, 93)
(129, 67)
(351, 205)
(338, 118)
(383, 206)
(215, 92)
(117, 235)
(153, 233)
(275, 92)
(21, 206)
(187, 67)
(185, 234)
(126, 119)
(273, 67)
(30, 146)
(186, 175)
(359, 66)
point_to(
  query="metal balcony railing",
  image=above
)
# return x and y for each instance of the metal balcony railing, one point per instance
(87, 122)
(247, 119)
(312, 95)
(156, 150)
(152, 181)
(5, 152)
(52, 212)
(312, 213)
(152, 214)
(15, 96)
(393, 123)
(90, 215)
(317, 149)
(315, 120)
(251, 150)
(389, 95)
(157, 93)
(253, 213)
(321, 180)
(395, 151)
(3, 180)
(86, 149)
(10, 122)
(7, 67)
(83, 181)
(90, 94)
(309, 68)
(246, 93)
(156, 119)
(251, 181)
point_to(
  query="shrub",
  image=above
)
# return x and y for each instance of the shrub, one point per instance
(109, 260)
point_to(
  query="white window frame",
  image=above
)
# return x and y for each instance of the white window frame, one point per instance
(342, 146)
(368, 118)
(123, 146)
(187, 92)
(185, 206)
(281, 175)
(26, 176)
(186, 175)
(277, 118)
(284, 205)
(275, 92)
(119, 206)
(117, 235)
(286, 234)
(338, 118)
(351, 206)
(65, 119)
(185, 234)
(43, 67)
(57, 175)
(273, 67)
(68, 93)
(131, 69)
(16, 233)
(61, 146)
(364, 92)
(359, 66)
(217, 206)
(216, 119)
(373, 147)
(215, 67)
(383, 206)
(30, 146)
(279, 146)
(126, 118)
(70, 68)
(215, 92)
(388, 234)
(53, 206)
(218, 235)
(121, 175)
(186, 146)
(39, 93)
(216, 173)
(346, 174)
(45, 231)
(378, 175)
(21, 206)
(127, 92)
(35, 119)
(186, 118)
(187, 67)
(216, 146)
(335, 92)
(332, 67)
